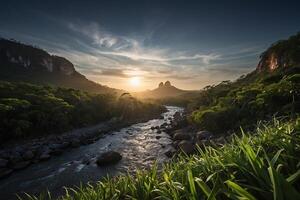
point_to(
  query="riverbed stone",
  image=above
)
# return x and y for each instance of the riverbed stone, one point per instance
(75, 143)
(21, 165)
(108, 158)
(186, 146)
(3, 163)
(158, 137)
(204, 135)
(170, 153)
(180, 135)
(44, 157)
(28, 155)
(4, 172)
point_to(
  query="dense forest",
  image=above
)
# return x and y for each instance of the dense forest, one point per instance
(247, 100)
(33, 110)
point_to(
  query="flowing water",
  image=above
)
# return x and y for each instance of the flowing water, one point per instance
(138, 145)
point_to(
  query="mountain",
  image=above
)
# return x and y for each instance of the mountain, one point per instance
(282, 54)
(21, 62)
(164, 90)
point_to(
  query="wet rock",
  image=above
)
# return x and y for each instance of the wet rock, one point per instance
(158, 131)
(15, 158)
(3, 163)
(57, 152)
(158, 137)
(186, 146)
(4, 172)
(108, 158)
(180, 135)
(44, 157)
(21, 165)
(204, 135)
(75, 143)
(152, 127)
(161, 117)
(28, 155)
(4, 154)
(177, 116)
(170, 153)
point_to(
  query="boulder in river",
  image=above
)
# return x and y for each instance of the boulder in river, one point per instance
(108, 158)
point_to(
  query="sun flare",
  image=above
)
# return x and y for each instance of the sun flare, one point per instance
(135, 81)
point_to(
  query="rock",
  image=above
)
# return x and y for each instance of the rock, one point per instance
(44, 157)
(179, 135)
(186, 146)
(21, 165)
(107, 158)
(158, 137)
(170, 153)
(204, 135)
(28, 155)
(158, 131)
(4, 172)
(75, 143)
(15, 158)
(152, 127)
(57, 152)
(3, 163)
(177, 116)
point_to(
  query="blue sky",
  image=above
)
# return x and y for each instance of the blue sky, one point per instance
(190, 43)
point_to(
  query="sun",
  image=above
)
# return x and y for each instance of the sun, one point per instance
(135, 81)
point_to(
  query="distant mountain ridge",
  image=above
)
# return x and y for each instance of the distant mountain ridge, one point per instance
(21, 62)
(164, 90)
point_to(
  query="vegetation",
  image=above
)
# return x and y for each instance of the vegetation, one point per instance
(260, 165)
(229, 105)
(32, 110)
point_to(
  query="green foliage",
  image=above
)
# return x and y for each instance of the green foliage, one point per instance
(260, 165)
(228, 105)
(30, 110)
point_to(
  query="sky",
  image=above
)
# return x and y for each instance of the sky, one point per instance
(134, 45)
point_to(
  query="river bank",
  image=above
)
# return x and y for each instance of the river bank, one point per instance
(140, 144)
(19, 155)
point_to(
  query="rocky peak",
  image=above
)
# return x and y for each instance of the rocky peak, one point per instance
(167, 83)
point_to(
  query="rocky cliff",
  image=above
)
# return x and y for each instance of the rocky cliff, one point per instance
(20, 62)
(284, 53)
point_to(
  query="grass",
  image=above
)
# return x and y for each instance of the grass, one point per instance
(260, 165)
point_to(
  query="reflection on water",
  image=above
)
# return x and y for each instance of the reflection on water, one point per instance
(138, 145)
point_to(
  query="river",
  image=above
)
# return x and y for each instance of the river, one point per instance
(138, 144)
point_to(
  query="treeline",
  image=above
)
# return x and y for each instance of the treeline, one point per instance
(258, 96)
(28, 110)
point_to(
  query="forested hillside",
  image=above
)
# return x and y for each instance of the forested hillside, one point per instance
(34, 110)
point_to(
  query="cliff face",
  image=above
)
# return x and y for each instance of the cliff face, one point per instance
(25, 57)
(284, 53)
(20, 62)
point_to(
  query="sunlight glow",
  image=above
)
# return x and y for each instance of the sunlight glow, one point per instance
(135, 81)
